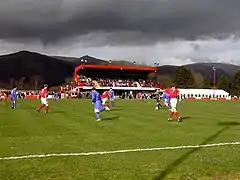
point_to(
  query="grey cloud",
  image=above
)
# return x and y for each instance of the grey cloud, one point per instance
(129, 20)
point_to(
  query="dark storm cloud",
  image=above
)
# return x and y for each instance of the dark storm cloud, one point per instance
(51, 20)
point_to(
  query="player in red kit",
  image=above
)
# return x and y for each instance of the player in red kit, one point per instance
(43, 96)
(173, 94)
(140, 96)
(1, 96)
(105, 98)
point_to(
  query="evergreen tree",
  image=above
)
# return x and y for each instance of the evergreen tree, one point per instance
(236, 84)
(206, 83)
(223, 83)
(183, 77)
(198, 80)
(164, 80)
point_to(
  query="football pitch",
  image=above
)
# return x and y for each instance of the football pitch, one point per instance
(134, 141)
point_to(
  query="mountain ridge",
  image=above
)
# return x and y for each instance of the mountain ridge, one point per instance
(56, 69)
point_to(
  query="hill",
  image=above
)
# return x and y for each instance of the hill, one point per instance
(30, 70)
(77, 61)
(68, 59)
(206, 69)
(92, 60)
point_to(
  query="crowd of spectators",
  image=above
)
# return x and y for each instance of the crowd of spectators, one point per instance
(90, 82)
(87, 81)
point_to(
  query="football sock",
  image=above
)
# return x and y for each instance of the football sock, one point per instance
(171, 115)
(47, 109)
(98, 115)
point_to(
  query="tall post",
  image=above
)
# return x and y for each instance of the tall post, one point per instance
(214, 80)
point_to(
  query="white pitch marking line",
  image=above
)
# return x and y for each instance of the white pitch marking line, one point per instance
(117, 151)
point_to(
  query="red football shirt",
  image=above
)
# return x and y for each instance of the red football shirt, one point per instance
(43, 93)
(105, 94)
(167, 90)
(172, 92)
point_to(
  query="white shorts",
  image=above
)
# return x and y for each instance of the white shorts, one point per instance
(173, 102)
(2, 97)
(111, 99)
(165, 103)
(104, 101)
(44, 101)
(96, 110)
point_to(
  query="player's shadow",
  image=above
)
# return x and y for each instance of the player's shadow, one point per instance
(180, 160)
(231, 123)
(59, 112)
(111, 118)
(116, 109)
(186, 117)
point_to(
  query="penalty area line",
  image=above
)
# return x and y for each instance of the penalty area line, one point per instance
(117, 151)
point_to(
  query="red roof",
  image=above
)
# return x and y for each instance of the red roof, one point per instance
(115, 67)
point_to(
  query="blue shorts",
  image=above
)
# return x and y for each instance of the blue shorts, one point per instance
(13, 99)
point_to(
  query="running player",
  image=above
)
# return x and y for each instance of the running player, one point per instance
(140, 96)
(105, 100)
(97, 102)
(158, 99)
(166, 98)
(2, 96)
(56, 96)
(43, 96)
(173, 94)
(13, 97)
(112, 97)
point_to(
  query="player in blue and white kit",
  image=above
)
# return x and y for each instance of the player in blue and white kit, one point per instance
(13, 97)
(97, 102)
(112, 96)
(166, 98)
(56, 96)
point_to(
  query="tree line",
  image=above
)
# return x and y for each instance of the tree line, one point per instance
(185, 78)
(182, 77)
(34, 82)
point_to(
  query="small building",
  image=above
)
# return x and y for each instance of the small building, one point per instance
(204, 93)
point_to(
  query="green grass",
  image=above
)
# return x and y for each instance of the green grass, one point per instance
(71, 127)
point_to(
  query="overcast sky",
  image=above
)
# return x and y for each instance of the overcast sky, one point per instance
(164, 31)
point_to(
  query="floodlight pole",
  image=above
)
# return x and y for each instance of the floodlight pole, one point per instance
(214, 80)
